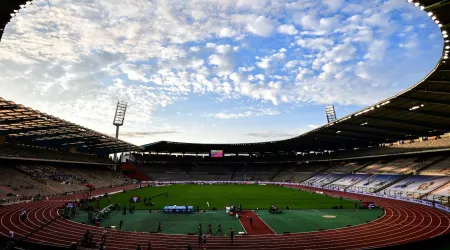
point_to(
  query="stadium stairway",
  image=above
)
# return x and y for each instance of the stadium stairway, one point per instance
(363, 166)
(276, 174)
(425, 166)
(393, 183)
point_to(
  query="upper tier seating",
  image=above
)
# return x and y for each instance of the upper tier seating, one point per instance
(8, 150)
(347, 181)
(374, 182)
(441, 194)
(345, 167)
(398, 166)
(440, 168)
(321, 179)
(416, 186)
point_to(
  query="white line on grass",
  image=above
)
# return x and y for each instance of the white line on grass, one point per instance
(319, 212)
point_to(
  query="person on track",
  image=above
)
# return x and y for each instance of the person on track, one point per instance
(120, 224)
(251, 221)
(209, 229)
(219, 230)
(232, 235)
(200, 238)
(105, 231)
(204, 238)
(159, 227)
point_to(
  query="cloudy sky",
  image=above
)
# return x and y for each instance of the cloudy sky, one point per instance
(213, 70)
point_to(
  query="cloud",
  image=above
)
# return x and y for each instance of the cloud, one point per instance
(247, 113)
(227, 32)
(268, 61)
(144, 134)
(76, 59)
(270, 134)
(287, 29)
(260, 26)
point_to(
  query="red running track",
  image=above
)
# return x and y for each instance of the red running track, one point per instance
(258, 225)
(403, 222)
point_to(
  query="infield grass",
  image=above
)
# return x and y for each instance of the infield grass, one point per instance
(218, 196)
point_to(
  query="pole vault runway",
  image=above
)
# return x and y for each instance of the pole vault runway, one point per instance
(403, 222)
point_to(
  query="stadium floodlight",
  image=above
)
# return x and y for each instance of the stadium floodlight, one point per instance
(119, 118)
(330, 113)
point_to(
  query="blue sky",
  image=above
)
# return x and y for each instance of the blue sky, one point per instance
(213, 71)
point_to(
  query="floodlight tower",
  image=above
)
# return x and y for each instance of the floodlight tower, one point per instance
(119, 117)
(330, 113)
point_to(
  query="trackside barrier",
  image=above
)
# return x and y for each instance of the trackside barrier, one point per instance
(423, 202)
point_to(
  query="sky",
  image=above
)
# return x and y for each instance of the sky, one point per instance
(213, 71)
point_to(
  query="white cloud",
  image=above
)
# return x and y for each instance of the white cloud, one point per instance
(227, 32)
(69, 57)
(287, 29)
(376, 50)
(224, 49)
(268, 61)
(247, 113)
(260, 26)
(210, 45)
(195, 49)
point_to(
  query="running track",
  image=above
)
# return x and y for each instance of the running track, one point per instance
(403, 222)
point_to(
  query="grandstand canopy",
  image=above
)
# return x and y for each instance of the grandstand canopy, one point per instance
(422, 110)
(31, 127)
(8, 8)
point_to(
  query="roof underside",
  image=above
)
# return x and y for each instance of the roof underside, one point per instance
(31, 127)
(387, 121)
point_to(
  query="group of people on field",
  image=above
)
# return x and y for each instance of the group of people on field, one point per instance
(202, 237)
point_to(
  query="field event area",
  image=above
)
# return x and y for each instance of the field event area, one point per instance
(299, 211)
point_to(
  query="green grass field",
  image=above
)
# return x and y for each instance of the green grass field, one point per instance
(306, 213)
(218, 196)
(311, 220)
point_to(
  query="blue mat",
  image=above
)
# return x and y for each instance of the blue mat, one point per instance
(179, 209)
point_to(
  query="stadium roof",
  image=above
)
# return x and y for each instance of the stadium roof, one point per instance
(7, 9)
(422, 110)
(31, 127)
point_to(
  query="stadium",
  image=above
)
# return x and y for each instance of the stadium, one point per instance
(378, 178)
